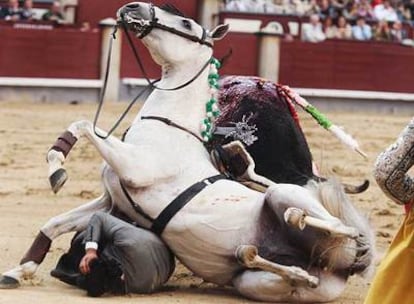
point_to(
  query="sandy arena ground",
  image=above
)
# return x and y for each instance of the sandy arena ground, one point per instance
(26, 202)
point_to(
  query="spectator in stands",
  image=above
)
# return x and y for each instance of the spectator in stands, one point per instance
(327, 9)
(374, 3)
(27, 11)
(363, 9)
(383, 31)
(312, 31)
(54, 13)
(290, 7)
(409, 5)
(301, 7)
(344, 29)
(251, 6)
(329, 28)
(361, 30)
(12, 12)
(385, 11)
(342, 7)
(403, 13)
(398, 34)
(313, 8)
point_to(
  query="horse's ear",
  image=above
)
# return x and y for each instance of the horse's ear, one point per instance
(219, 31)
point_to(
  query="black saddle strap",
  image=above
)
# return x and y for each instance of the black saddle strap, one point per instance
(173, 124)
(134, 205)
(179, 202)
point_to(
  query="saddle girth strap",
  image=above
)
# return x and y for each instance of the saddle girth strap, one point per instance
(180, 201)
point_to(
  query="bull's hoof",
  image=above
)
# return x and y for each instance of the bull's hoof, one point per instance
(58, 179)
(8, 282)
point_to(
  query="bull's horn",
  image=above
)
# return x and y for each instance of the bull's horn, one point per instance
(351, 189)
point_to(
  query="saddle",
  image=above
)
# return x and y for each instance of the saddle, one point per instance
(234, 161)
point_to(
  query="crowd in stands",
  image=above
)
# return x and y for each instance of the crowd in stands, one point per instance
(380, 20)
(316, 30)
(15, 11)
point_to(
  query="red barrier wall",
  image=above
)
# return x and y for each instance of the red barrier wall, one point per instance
(349, 65)
(94, 11)
(245, 54)
(57, 53)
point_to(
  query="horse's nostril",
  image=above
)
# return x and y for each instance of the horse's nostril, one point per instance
(133, 5)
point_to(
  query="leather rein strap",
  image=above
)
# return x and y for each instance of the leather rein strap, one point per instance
(169, 122)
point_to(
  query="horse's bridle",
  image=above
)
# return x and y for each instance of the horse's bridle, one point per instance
(153, 23)
(147, 28)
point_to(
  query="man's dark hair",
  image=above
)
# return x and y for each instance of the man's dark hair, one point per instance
(105, 276)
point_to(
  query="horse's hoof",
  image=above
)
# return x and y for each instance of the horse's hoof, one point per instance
(245, 254)
(313, 282)
(58, 179)
(8, 282)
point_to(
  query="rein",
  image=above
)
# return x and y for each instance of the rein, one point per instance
(169, 122)
(151, 84)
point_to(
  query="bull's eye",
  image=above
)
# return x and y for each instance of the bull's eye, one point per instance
(187, 24)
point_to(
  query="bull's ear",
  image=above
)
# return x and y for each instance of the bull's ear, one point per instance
(219, 31)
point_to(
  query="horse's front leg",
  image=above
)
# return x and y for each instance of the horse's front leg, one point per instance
(301, 209)
(74, 220)
(136, 165)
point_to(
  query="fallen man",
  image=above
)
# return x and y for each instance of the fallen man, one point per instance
(113, 256)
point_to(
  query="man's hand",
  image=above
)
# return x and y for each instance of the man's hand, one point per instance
(90, 255)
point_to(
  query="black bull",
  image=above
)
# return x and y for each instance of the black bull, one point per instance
(279, 149)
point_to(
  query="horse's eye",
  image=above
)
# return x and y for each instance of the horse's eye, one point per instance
(187, 24)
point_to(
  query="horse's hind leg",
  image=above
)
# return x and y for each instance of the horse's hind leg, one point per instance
(300, 208)
(261, 285)
(74, 220)
(248, 256)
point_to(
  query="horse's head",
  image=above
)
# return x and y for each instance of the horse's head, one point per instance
(167, 33)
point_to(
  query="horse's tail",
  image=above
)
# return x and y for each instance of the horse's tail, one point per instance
(337, 203)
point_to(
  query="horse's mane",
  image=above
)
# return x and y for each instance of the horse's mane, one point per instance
(332, 196)
(169, 8)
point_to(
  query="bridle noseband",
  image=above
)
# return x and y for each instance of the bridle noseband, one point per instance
(153, 23)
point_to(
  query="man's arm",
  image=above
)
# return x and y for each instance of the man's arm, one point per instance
(392, 165)
(94, 234)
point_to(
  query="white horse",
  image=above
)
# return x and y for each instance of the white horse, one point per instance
(270, 246)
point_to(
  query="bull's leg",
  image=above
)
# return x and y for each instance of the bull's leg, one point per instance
(137, 166)
(266, 286)
(248, 256)
(301, 208)
(74, 220)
